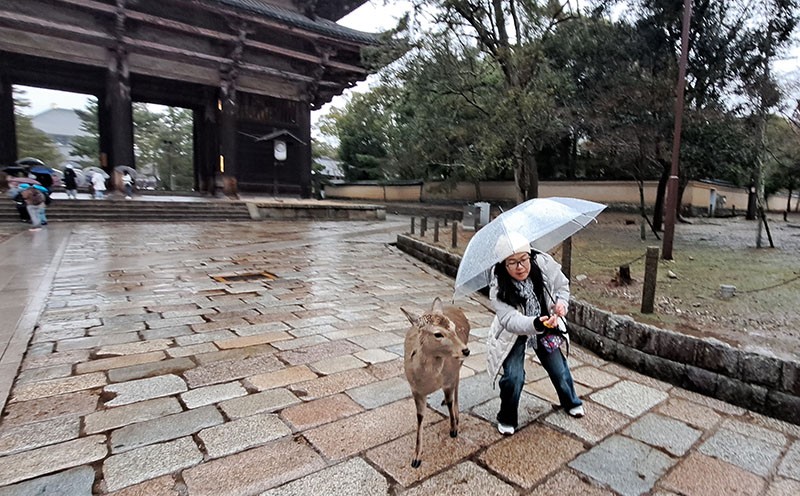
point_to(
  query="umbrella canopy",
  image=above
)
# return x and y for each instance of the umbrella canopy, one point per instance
(122, 169)
(41, 169)
(15, 170)
(29, 161)
(14, 182)
(541, 224)
(89, 171)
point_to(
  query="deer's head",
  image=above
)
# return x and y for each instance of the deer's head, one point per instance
(437, 335)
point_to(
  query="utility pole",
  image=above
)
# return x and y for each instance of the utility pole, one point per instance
(672, 184)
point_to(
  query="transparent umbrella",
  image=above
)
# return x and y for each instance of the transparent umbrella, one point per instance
(122, 169)
(541, 224)
(90, 171)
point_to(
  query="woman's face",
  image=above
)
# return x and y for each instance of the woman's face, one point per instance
(518, 266)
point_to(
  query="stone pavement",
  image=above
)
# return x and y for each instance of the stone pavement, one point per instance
(266, 358)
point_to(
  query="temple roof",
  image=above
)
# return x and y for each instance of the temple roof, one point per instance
(297, 19)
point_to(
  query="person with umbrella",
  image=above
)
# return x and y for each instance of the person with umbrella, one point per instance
(529, 293)
(71, 182)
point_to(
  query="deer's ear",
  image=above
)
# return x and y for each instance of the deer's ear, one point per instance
(412, 317)
(437, 306)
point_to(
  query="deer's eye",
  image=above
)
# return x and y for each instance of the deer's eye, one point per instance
(438, 335)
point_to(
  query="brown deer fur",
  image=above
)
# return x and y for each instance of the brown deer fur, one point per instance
(435, 347)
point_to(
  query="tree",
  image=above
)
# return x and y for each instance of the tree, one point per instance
(509, 33)
(362, 130)
(32, 142)
(162, 140)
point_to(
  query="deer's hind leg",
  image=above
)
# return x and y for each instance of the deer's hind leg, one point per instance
(421, 404)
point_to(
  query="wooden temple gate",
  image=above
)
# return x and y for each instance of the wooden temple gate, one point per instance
(246, 68)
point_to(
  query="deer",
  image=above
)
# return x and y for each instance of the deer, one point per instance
(434, 349)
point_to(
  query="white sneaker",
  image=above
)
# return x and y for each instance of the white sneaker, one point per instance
(127, 197)
(577, 411)
(504, 429)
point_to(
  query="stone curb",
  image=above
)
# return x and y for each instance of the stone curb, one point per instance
(758, 382)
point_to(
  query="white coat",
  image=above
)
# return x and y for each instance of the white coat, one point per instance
(514, 323)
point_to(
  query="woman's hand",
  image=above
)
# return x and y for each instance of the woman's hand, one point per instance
(550, 322)
(559, 309)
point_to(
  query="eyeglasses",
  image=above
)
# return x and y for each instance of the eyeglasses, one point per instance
(522, 262)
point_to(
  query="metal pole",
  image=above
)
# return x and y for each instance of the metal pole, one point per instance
(672, 184)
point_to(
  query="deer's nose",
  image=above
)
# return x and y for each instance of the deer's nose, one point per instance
(465, 351)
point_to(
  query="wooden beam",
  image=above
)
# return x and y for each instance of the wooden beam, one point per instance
(49, 28)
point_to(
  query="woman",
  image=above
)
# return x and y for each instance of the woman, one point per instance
(530, 294)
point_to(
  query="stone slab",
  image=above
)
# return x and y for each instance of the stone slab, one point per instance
(699, 475)
(166, 428)
(120, 416)
(321, 411)
(149, 462)
(530, 409)
(55, 387)
(281, 377)
(528, 444)
(230, 370)
(353, 477)
(73, 482)
(49, 459)
(790, 466)
(629, 398)
(142, 370)
(754, 455)
(439, 450)
(253, 471)
(663, 432)
(566, 482)
(14, 439)
(464, 479)
(144, 389)
(629, 467)
(78, 403)
(599, 422)
(212, 394)
(264, 402)
(380, 393)
(241, 434)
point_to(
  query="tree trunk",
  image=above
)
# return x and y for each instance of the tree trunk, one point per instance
(658, 208)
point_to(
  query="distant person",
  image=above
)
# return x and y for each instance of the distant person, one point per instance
(22, 208)
(99, 185)
(34, 201)
(127, 183)
(71, 182)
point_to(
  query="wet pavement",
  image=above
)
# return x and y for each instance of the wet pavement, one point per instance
(266, 358)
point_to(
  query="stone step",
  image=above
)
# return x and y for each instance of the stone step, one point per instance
(135, 211)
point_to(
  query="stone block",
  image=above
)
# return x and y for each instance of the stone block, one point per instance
(143, 389)
(164, 428)
(143, 370)
(672, 346)
(701, 380)
(212, 394)
(241, 434)
(760, 369)
(49, 459)
(629, 398)
(783, 406)
(113, 418)
(662, 432)
(630, 357)
(664, 369)
(150, 462)
(699, 475)
(741, 393)
(790, 382)
(634, 335)
(717, 357)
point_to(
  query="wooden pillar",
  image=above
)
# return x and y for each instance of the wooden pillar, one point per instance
(206, 144)
(304, 149)
(8, 129)
(104, 132)
(227, 140)
(119, 121)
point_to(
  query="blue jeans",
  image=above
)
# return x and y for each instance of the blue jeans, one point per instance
(514, 378)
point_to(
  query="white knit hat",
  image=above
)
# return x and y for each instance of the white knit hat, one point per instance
(511, 244)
